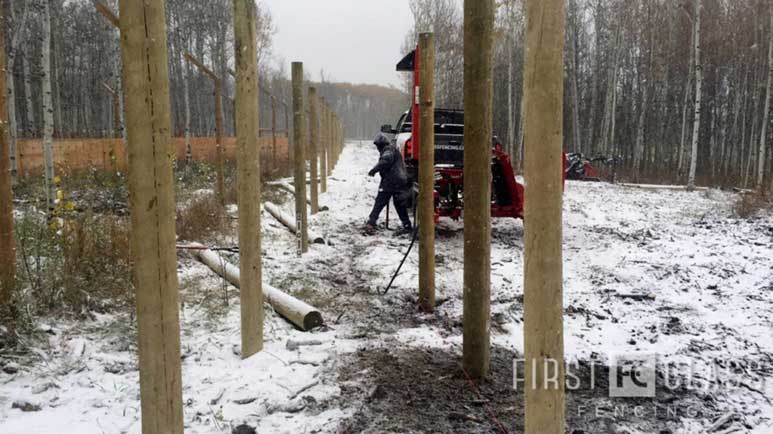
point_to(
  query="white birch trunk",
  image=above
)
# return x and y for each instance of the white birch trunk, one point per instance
(187, 99)
(766, 113)
(575, 99)
(48, 112)
(11, 89)
(698, 95)
(510, 109)
(639, 149)
(10, 86)
(32, 126)
(685, 112)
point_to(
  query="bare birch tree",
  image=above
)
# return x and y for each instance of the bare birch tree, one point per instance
(698, 94)
(48, 109)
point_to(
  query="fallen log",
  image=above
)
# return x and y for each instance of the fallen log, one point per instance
(656, 187)
(289, 222)
(289, 188)
(303, 315)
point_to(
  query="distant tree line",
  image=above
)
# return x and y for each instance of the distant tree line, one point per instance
(632, 69)
(85, 61)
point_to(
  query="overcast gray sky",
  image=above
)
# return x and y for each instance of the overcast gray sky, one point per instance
(352, 40)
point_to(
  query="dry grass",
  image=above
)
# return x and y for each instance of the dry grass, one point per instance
(202, 219)
(752, 204)
(97, 264)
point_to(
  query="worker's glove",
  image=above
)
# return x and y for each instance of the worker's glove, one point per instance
(372, 172)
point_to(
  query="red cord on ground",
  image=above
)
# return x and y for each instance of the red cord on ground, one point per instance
(480, 396)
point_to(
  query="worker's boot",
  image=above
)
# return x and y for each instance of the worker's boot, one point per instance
(369, 229)
(404, 231)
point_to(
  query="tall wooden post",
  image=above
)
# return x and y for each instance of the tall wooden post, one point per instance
(543, 277)
(151, 193)
(7, 241)
(248, 175)
(299, 138)
(323, 144)
(220, 153)
(478, 93)
(273, 132)
(330, 144)
(426, 206)
(313, 149)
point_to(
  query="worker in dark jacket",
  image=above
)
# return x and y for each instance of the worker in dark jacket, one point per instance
(394, 184)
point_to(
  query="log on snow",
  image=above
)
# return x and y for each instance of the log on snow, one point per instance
(286, 186)
(303, 315)
(289, 222)
(661, 187)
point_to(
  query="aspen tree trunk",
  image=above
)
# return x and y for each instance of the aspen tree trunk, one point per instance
(323, 144)
(478, 109)
(698, 95)
(13, 132)
(611, 98)
(591, 141)
(313, 149)
(639, 151)
(510, 100)
(299, 139)
(151, 155)
(32, 128)
(739, 155)
(612, 148)
(685, 110)
(766, 113)
(7, 241)
(248, 175)
(48, 110)
(576, 136)
(12, 126)
(187, 103)
(273, 132)
(426, 205)
(543, 267)
(219, 139)
(751, 146)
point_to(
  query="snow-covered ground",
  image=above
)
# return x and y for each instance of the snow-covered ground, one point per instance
(664, 272)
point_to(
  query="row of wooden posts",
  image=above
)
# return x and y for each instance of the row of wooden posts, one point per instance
(323, 143)
(543, 278)
(217, 83)
(148, 127)
(150, 180)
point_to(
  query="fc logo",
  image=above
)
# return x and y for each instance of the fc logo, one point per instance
(632, 375)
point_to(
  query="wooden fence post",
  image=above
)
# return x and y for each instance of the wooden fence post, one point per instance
(330, 147)
(543, 270)
(478, 93)
(273, 132)
(314, 149)
(151, 193)
(7, 241)
(248, 175)
(323, 144)
(299, 139)
(426, 205)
